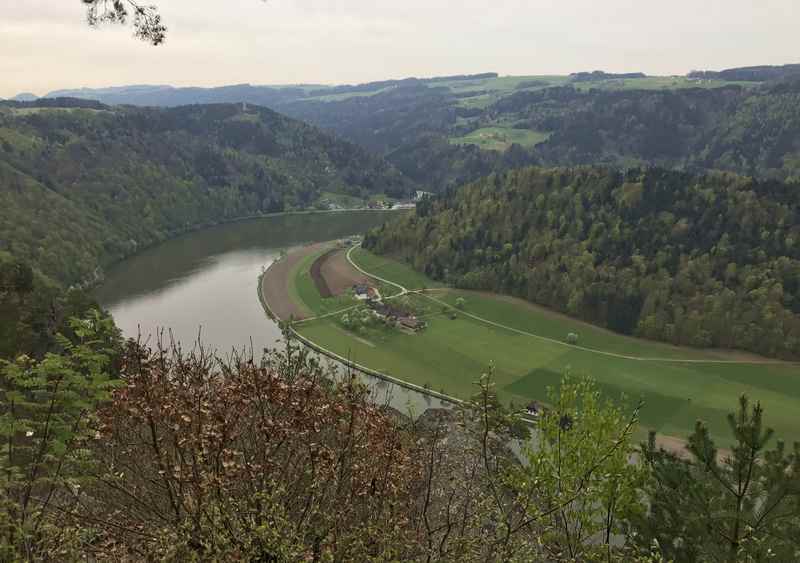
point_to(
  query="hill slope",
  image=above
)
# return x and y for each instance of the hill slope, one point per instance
(81, 187)
(450, 130)
(709, 260)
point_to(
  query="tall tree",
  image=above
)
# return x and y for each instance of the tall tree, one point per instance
(736, 505)
(578, 480)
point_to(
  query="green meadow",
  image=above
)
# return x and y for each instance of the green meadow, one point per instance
(392, 270)
(530, 355)
(500, 138)
(303, 291)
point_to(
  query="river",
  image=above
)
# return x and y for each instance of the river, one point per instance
(204, 284)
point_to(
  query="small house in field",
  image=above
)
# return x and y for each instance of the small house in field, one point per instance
(402, 318)
(385, 311)
(365, 292)
(411, 323)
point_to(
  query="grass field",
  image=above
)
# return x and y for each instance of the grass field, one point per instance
(500, 138)
(451, 354)
(392, 270)
(348, 95)
(304, 292)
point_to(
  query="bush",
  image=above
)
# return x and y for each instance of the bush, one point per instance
(572, 338)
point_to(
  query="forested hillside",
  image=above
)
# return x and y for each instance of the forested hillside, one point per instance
(753, 132)
(33, 309)
(446, 131)
(82, 184)
(711, 260)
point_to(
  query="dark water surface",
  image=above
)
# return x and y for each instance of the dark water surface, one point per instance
(205, 283)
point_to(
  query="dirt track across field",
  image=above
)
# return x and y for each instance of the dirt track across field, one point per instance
(275, 284)
(338, 274)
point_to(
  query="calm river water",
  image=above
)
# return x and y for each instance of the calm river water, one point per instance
(205, 283)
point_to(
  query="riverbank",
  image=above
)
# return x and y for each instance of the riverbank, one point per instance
(98, 276)
(273, 286)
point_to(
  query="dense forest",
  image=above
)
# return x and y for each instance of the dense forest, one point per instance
(697, 129)
(731, 128)
(710, 260)
(82, 184)
(33, 309)
(743, 120)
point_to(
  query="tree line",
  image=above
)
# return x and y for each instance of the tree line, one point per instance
(709, 260)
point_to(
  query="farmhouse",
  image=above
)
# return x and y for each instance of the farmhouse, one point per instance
(403, 318)
(365, 292)
(411, 323)
(383, 310)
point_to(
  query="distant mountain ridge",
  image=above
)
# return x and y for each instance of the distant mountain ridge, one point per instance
(449, 130)
(602, 75)
(24, 97)
(166, 95)
(170, 96)
(112, 90)
(760, 73)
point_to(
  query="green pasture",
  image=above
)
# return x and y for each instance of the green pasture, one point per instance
(303, 290)
(524, 316)
(451, 354)
(391, 270)
(500, 138)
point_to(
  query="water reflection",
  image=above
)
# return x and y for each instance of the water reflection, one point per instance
(205, 284)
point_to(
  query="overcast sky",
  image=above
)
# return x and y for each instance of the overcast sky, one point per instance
(45, 44)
